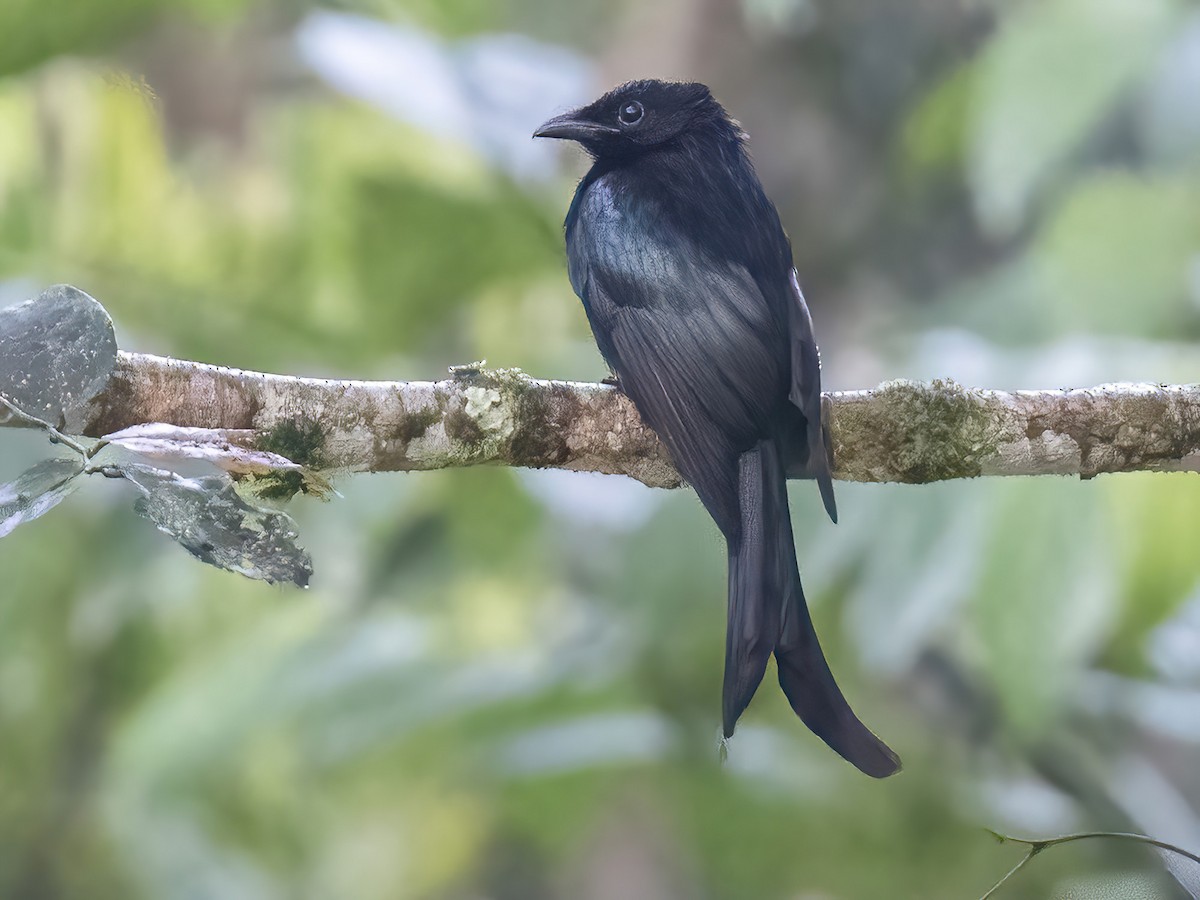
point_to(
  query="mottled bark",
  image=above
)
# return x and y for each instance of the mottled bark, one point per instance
(900, 431)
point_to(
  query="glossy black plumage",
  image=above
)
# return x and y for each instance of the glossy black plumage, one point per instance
(686, 275)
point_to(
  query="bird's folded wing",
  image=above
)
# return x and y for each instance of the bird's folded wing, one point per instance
(805, 394)
(697, 355)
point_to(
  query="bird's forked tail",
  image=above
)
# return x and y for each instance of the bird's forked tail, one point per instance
(768, 613)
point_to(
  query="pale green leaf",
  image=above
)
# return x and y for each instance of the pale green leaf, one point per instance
(1044, 84)
(57, 352)
(37, 491)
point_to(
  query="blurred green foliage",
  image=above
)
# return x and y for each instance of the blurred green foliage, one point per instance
(504, 684)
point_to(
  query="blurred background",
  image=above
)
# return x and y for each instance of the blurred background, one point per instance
(504, 685)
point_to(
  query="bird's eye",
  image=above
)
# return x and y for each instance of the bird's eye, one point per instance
(631, 113)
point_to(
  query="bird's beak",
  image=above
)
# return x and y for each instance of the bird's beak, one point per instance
(573, 128)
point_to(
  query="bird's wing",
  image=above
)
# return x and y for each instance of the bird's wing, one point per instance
(697, 353)
(805, 395)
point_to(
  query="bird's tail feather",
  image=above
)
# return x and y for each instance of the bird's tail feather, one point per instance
(754, 596)
(768, 613)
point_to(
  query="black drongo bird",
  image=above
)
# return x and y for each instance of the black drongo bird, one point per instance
(686, 276)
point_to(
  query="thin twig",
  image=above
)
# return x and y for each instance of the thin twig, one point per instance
(1037, 846)
(1033, 851)
(34, 422)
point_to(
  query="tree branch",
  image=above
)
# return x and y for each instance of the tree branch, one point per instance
(901, 431)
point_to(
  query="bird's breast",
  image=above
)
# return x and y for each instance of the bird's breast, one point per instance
(627, 235)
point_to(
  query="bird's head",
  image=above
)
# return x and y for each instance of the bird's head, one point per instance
(639, 116)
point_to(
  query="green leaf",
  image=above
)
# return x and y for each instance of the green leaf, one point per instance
(935, 133)
(1047, 597)
(1115, 255)
(1045, 82)
(57, 352)
(214, 524)
(37, 491)
(174, 444)
(33, 31)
